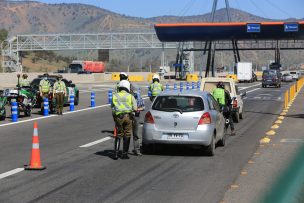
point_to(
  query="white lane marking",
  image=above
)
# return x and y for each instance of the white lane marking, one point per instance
(69, 112)
(253, 90)
(292, 140)
(96, 142)
(244, 88)
(93, 90)
(12, 172)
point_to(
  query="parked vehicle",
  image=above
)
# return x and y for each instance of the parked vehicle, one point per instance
(25, 98)
(271, 78)
(286, 77)
(3, 102)
(295, 75)
(87, 66)
(187, 118)
(209, 84)
(244, 72)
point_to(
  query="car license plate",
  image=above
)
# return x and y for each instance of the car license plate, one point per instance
(175, 136)
(269, 80)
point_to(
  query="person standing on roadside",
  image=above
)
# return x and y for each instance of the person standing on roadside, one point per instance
(24, 82)
(44, 89)
(155, 87)
(59, 92)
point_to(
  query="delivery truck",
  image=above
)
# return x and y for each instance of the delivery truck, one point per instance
(244, 72)
(87, 66)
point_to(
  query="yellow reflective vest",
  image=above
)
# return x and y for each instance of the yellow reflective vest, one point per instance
(45, 86)
(122, 103)
(156, 88)
(219, 95)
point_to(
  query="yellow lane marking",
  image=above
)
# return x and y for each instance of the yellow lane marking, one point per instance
(278, 122)
(251, 162)
(281, 117)
(271, 132)
(234, 186)
(275, 126)
(244, 173)
(265, 140)
(283, 114)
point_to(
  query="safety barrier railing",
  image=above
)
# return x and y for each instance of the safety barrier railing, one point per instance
(290, 94)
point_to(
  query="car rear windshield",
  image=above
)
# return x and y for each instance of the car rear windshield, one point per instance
(210, 86)
(293, 72)
(269, 73)
(178, 103)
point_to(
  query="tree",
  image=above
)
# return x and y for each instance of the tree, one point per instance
(3, 34)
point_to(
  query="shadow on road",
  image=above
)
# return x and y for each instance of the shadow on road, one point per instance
(261, 112)
(296, 116)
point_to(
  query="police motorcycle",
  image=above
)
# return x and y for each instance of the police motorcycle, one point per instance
(3, 102)
(24, 96)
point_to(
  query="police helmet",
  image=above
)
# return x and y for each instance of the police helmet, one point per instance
(124, 85)
(155, 78)
(24, 76)
(123, 76)
(220, 85)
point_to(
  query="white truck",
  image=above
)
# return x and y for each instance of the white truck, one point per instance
(244, 72)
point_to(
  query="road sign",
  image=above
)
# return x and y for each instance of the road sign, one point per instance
(253, 27)
(291, 27)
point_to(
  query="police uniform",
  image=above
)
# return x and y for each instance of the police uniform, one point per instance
(59, 92)
(44, 88)
(123, 104)
(156, 88)
(24, 82)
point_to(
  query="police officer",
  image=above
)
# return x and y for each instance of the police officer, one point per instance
(44, 89)
(124, 76)
(59, 91)
(24, 82)
(123, 104)
(155, 87)
(223, 97)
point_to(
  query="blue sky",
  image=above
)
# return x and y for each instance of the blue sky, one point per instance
(277, 9)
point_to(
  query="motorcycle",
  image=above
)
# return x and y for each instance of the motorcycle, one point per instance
(226, 113)
(24, 97)
(3, 102)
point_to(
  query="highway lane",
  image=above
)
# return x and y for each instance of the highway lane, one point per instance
(89, 175)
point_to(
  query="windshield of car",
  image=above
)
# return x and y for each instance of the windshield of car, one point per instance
(75, 68)
(36, 81)
(178, 103)
(210, 86)
(293, 73)
(286, 74)
(269, 73)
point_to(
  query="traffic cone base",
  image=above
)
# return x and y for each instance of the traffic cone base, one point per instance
(26, 167)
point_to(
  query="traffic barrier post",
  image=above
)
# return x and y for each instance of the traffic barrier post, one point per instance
(45, 106)
(167, 87)
(193, 85)
(149, 92)
(175, 86)
(286, 102)
(14, 112)
(110, 96)
(181, 86)
(92, 99)
(72, 105)
(198, 85)
(188, 86)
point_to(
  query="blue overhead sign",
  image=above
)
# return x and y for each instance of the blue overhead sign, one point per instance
(253, 27)
(291, 27)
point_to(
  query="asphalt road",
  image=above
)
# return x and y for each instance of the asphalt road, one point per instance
(76, 173)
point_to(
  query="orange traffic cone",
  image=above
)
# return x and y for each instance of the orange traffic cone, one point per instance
(35, 163)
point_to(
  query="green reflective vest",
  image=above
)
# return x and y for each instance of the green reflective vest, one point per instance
(59, 86)
(219, 95)
(122, 103)
(24, 83)
(45, 86)
(156, 88)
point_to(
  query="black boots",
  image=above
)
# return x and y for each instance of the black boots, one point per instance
(126, 144)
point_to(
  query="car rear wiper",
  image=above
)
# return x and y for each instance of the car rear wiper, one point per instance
(174, 109)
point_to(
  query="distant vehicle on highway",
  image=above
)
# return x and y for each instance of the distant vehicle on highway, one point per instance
(87, 66)
(71, 89)
(271, 78)
(190, 118)
(286, 77)
(209, 84)
(244, 72)
(295, 75)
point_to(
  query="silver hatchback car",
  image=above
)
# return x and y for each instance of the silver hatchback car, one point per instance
(189, 117)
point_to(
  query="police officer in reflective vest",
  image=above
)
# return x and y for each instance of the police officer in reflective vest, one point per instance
(44, 89)
(223, 97)
(123, 104)
(24, 82)
(155, 87)
(135, 120)
(59, 91)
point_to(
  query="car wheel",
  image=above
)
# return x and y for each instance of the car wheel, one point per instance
(236, 117)
(147, 148)
(77, 99)
(211, 147)
(222, 142)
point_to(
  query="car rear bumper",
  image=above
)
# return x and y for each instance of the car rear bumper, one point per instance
(272, 83)
(201, 136)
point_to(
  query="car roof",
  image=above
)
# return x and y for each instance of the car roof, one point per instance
(217, 79)
(196, 93)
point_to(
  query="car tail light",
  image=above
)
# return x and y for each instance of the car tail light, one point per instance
(235, 103)
(205, 119)
(149, 118)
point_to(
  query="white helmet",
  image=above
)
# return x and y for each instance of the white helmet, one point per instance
(125, 84)
(155, 76)
(123, 73)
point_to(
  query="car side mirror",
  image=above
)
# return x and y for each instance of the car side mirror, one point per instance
(243, 94)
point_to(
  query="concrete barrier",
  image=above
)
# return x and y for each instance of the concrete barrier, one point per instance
(192, 78)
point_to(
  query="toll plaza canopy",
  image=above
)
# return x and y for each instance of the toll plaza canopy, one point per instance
(182, 32)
